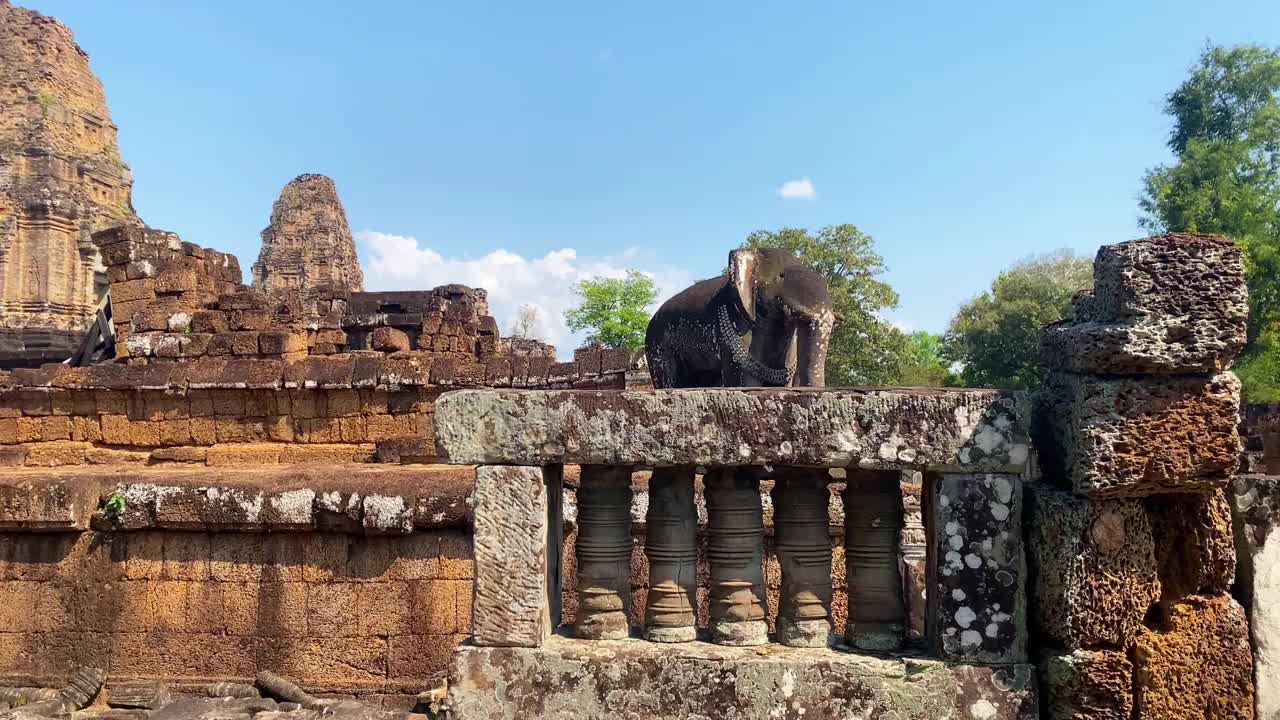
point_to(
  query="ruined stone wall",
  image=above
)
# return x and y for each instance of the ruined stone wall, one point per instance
(347, 579)
(1130, 532)
(61, 176)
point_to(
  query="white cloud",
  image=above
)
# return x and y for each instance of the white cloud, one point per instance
(793, 189)
(399, 262)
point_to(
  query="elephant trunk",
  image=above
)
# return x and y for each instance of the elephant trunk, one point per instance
(813, 336)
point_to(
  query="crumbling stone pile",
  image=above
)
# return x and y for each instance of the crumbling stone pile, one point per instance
(89, 696)
(1130, 533)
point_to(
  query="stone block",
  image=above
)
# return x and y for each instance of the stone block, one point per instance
(209, 321)
(569, 678)
(1093, 568)
(1087, 685)
(979, 602)
(1174, 303)
(1197, 665)
(388, 339)
(1118, 436)
(281, 342)
(1255, 501)
(1194, 547)
(512, 598)
(881, 428)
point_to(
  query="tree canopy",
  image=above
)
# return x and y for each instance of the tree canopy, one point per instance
(1226, 179)
(924, 364)
(614, 311)
(995, 338)
(865, 350)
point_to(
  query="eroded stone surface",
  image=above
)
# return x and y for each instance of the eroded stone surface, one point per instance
(979, 601)
(1087, 685)
(628, 679)
(1193, 543)
(511, 605)
(976, 430)
(1256, 508)
(1133, 436)
(1198, 665)
(1174, 303)
(1093, 568)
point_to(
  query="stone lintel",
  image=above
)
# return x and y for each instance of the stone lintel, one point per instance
(358, 499)
(875, 428)
(568, 678)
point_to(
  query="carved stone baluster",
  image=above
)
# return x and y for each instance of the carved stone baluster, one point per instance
(912, 546)
(603, 552)
(671, 546)
(802, 536)
(873, 520)
(735, 549)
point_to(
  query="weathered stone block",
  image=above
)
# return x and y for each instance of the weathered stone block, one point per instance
(1255, 503)
(955, 430)
(627, 679)
(1173, 303)
(1093, 567)
(1198, 665)
(979, 602)
(1120, 436)
(513, 596)
(1087, 685)
(1194, 547)
(388, 339)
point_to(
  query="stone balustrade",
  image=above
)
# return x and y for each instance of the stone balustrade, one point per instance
(969, 448)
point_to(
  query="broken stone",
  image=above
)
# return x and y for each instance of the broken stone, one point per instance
(512, 596)
(1197, 665)
(388, 339)
(1121, 436)
(1087, 685)
(980, 606)
(147, 694)
(1174, 303)
(960, 430)
(1093, 567)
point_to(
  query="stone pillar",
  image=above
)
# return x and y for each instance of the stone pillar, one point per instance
(603, 552)
(514, 602)
(1255, 501)
(872, 522)
(671, 546)
(913, 555)
(802, 536)
(735, 549)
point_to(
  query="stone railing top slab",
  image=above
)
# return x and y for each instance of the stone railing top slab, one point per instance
(920, 428)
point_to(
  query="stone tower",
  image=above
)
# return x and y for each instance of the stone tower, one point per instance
(61, 179)
(308, 242)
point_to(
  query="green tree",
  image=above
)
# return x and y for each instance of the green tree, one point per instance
(614, 311)
(923, 364)
(1226, 179)
(996, 336)
(865, 350)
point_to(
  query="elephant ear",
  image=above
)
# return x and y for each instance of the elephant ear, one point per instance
(742, 275)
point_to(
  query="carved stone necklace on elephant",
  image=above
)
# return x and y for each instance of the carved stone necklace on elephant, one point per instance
(766, 322)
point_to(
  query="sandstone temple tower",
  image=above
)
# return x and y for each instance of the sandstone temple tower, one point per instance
(308, 242)
(61, 179)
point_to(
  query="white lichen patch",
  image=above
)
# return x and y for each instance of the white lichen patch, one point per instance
(294, 507)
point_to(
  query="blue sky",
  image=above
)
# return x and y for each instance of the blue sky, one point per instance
(520, 146)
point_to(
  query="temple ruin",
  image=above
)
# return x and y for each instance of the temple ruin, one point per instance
(369, 493)
(61, 179)
(308, 243)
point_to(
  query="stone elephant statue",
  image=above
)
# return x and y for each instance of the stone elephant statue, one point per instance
(766, 322)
